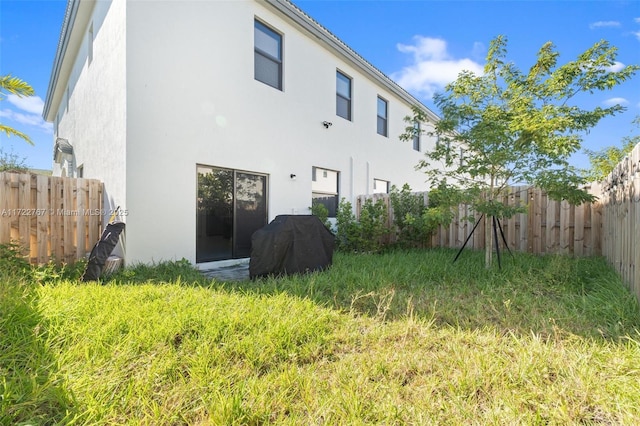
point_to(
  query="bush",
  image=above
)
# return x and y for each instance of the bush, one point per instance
(416, 222)
(13, 262)
(364, 235)
(12, 259)
(52, 271)
(10, 162)
(322, 213)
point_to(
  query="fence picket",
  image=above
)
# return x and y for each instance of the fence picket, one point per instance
(43, 236)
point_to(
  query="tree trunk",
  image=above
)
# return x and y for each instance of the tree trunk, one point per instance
(488, 241)
(488, 236)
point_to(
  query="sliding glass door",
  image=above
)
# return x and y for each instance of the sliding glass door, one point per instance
(231, 206)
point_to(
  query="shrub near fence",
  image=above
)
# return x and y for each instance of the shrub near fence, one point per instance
(51, 218)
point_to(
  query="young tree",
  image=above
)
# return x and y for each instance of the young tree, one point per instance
(506, 126)
(21, 89)
(605, 160)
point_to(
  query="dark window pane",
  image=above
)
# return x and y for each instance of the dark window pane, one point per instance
(329, 201)
(267, 71)
(382, 126)
(416, 136)
(382, 108)
(250, 210)
(343, 85)
(214, 220)
(343, 107)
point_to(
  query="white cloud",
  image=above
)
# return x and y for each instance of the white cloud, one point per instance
(29, 114)
(432, 67)
(31, 120)
(604, 24)
(617, 66)
(32, 104)
(637, 20)
(637, 34)
(616, 101)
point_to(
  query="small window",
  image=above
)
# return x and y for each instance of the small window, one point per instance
(382, 117)
(380, 186)
(267, 55)
(324, 189)
(343, 96)
(416, 135)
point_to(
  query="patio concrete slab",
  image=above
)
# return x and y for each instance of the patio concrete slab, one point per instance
(239, 272)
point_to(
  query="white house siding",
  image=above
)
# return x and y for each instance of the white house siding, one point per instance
(94, 122)
(191, 98)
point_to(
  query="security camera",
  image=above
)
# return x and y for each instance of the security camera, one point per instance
(327, 124)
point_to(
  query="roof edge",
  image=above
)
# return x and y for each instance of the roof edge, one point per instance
(63, 42)
(319, 31)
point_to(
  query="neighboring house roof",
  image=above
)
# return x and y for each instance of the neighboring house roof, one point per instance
(77, 8)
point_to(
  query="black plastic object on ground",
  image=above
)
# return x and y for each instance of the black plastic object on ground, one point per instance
(102, 250)
(291, 244)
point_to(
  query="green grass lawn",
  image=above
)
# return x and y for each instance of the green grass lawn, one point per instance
(396, 338)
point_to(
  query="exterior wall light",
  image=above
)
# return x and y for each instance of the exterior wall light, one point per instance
(292, 176)
(327, 124)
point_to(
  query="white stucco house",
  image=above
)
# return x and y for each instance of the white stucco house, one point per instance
(206, 119)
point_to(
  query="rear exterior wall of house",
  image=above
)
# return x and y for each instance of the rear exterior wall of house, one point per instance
(195, 101)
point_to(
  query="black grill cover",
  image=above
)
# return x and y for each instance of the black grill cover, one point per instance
(102, 250)
(291, 244)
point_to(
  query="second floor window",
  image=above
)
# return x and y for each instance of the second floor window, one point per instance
(343, 96)
(267, 55)
(382, 117)
(416, 135)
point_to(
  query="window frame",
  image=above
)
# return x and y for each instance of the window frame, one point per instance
(417, 130)
(339, 96)
(386, 183)
(258, 25)
(385, 118)
(324, 193)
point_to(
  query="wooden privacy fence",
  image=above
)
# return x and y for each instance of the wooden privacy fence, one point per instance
(548, 226)
(52, 218)
(621, 219)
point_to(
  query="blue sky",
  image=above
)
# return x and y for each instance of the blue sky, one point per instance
(420, 44)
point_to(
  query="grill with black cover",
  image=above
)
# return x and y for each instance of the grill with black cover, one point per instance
(291, 244)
